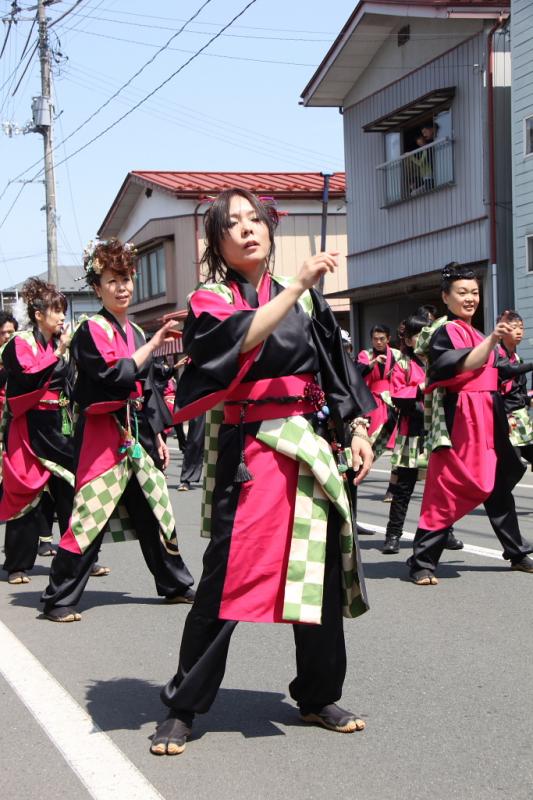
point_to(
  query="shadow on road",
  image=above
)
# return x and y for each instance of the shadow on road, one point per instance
(130, 703)
(31, 599)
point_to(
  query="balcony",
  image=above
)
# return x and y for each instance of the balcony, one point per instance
(417, 172)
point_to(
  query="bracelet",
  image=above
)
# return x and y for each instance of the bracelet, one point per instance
(362, 436)
(358, 422)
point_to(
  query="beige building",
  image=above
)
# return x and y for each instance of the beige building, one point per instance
(162, 213)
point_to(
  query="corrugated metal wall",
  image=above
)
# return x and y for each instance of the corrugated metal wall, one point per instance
(522, 106)
(372, 227)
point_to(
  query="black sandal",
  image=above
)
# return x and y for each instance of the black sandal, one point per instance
(170, 737)
(333, 718)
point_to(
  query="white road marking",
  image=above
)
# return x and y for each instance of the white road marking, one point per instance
(387, 472)
(104, 770)
(468, 548)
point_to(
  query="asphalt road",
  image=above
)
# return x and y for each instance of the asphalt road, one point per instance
(442, 675)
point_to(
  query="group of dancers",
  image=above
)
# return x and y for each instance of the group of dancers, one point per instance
(289, 420)
(453, 405)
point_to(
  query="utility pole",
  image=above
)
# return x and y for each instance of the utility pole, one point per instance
(43, 118)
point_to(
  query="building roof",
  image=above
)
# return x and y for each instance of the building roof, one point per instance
(69, 281)
(197, 185)
(371, 22)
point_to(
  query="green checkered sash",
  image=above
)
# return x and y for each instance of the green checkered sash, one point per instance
(319, 484)
(520, 427)
(434, 417)
(97, 502)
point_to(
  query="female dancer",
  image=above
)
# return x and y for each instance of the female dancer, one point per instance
(282, 547)
(38, 453)
(472, 460)
(410, 455)
(118, 446)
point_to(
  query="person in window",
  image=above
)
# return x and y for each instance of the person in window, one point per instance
(257, 343)
(471, 459)
(420, 168)
(119, 452)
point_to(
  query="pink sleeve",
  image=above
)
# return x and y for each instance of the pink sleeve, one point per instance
(458, 337)
(363, 358)
(203, 301)
(400, 388)
(31, 362)
(105, 347)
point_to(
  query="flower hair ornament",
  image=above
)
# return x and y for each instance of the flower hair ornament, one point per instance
(94, 255)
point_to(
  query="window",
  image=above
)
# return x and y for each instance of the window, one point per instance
(529, 253)
(151, 275)
(528, 136)
(419, 158)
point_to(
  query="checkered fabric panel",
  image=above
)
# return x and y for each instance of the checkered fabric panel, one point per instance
(295, 438)
(435, 420)
(378, 440)
(95, 502)
(58, 470)
(120, 526)
(520, 428)
(409, 452)
(304, 585)
(213, 421)
(154, 487)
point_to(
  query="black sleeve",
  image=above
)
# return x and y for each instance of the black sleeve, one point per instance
(121, 375)
(445, 361)
(506, 370)
(21, 382)
(214, 347)
(347, 394)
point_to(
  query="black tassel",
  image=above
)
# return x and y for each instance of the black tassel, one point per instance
(243, 474)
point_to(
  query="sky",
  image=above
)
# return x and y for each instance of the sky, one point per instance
(235, 107)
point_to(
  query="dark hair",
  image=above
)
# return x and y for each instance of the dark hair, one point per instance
(456, 272)
(217, 222)
(511, 316)
(41, 296)
(109, 254)
(380, 329)
(5, 316)
(414, 325)
(427, 310)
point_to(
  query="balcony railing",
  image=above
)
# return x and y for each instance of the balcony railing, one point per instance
(418, 172)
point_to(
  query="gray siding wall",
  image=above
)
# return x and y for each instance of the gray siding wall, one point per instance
(370, 226)
(522, 106)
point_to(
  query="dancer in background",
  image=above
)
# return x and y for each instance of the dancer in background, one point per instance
(375, 365)
(118, 446)
(282, 545)
(516, 399)
(471, 458)
(410, 455)
(38, 445)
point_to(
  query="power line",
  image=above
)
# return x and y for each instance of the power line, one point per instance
(204, 33)
(208, 55)
(139, 71)
(213, 24)
(160, 85)
(126, 114)
(207, 119)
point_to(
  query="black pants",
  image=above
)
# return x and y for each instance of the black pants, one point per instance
(22, 534)
(403, 490)
(526, 452)
(501, 511)
(320, 651)
(69, 572)
(193, 453)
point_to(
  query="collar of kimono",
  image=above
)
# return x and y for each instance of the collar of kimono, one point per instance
(246, 296)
